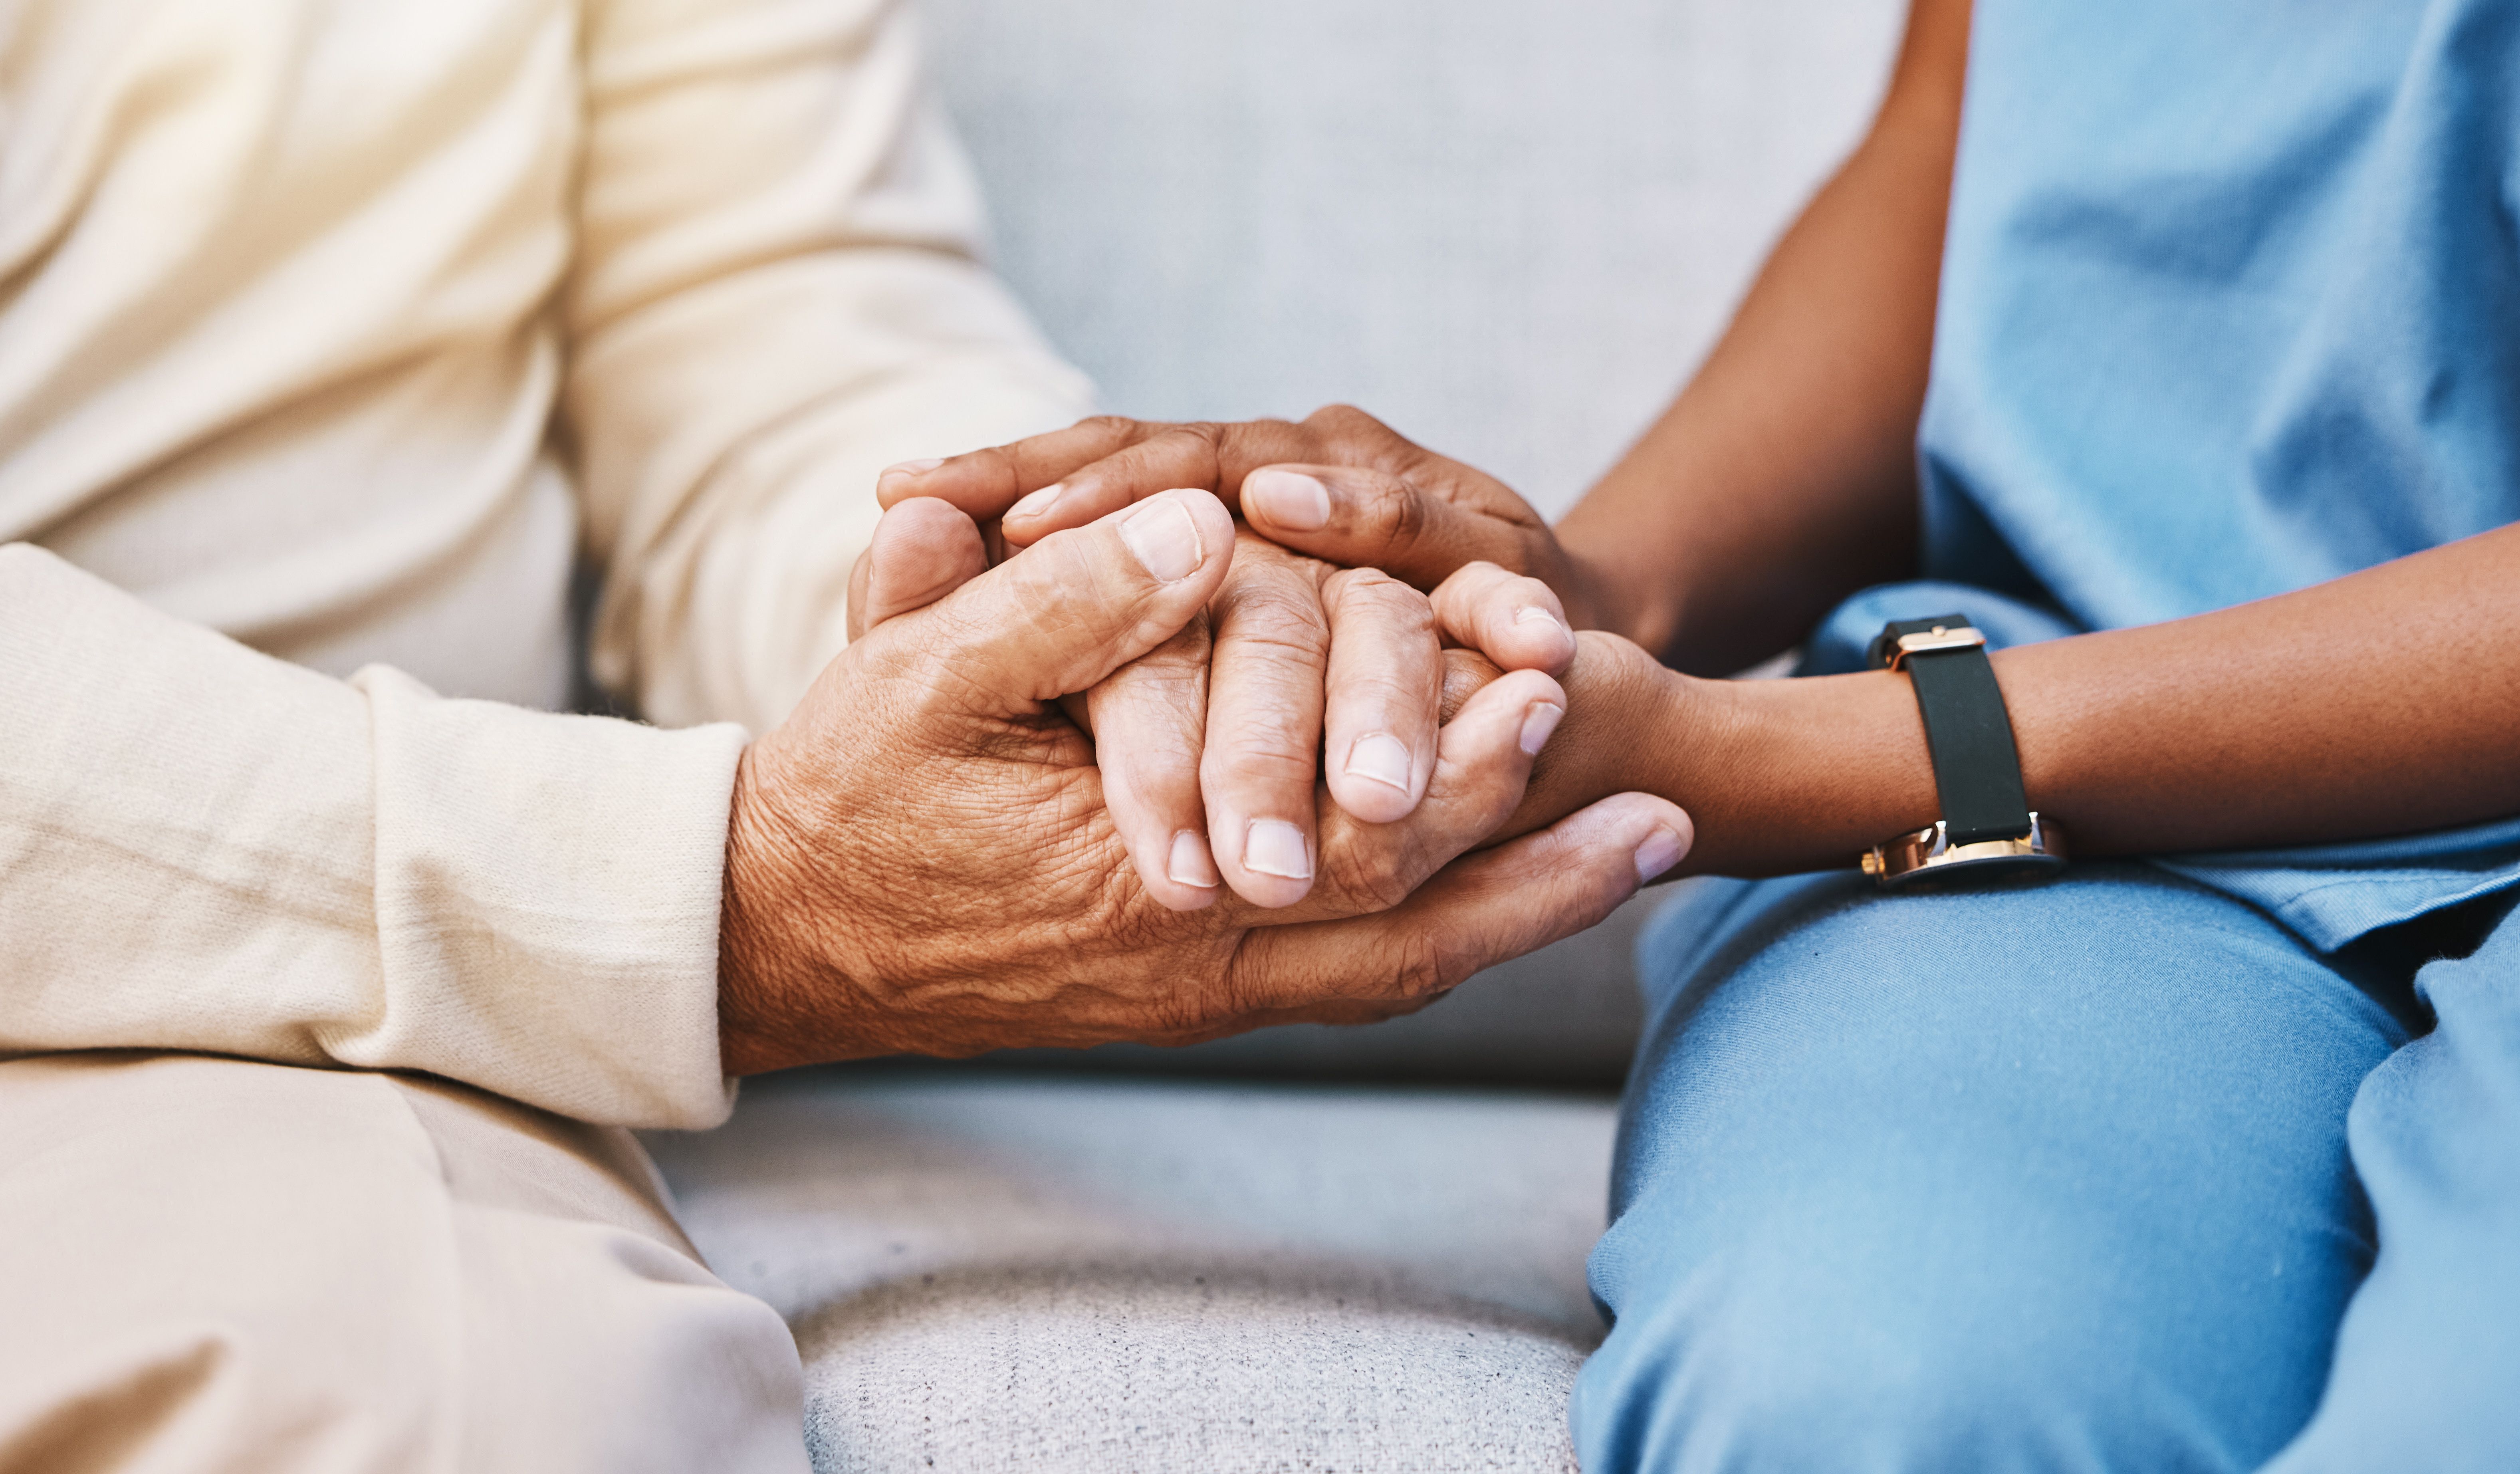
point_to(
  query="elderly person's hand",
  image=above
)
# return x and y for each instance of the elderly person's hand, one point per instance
(922, 861)
(1209, 747)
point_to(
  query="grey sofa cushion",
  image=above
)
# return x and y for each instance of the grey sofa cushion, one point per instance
(993, 1272)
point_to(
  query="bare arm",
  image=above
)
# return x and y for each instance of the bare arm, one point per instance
(1784, 477)
(2386, 701)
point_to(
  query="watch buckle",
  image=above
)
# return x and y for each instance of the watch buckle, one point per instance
(1939, 638)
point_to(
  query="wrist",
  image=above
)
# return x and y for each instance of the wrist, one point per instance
(1788, 775)
(768, 988)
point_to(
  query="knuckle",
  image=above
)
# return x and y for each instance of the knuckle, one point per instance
(1001, 464)
(1273, 624)
(1373, 591)
(1375, 585)
(1418, 970)
(1255, 757)
(1282, 613)
(1229, 992)
(1253, 435)
(1405, 515)
(1175, 455)
(1373, 881)
(1345, 420)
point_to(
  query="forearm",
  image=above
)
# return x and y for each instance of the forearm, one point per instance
(2377, 704)
(1783, 476)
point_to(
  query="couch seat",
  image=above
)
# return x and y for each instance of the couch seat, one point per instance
(992, 1271)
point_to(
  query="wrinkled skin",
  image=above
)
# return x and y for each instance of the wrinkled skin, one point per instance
(1312, 667)
(921, 858)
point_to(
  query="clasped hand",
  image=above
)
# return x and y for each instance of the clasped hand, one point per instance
(1209, 745)
(1338, 491)
(927, 858)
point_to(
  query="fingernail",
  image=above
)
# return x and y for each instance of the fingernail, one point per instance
(1190, 863)
(1289, 500)
(1382, 758)
(1275, 847)
(1537, 724)
(1659, 853)
(1038, 502)
(1164, 538)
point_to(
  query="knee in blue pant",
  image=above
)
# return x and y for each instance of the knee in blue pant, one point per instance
(2026, 1179)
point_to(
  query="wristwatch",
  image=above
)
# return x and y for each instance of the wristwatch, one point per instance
(1988, 827)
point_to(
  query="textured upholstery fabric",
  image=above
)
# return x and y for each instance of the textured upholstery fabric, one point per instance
(1051, 1274)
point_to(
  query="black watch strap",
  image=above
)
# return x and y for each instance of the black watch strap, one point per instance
(1977, 770)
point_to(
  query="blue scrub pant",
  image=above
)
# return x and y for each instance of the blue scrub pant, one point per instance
(2112, 1172)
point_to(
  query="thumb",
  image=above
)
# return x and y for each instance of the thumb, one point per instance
(1075, 606)
(923, 549)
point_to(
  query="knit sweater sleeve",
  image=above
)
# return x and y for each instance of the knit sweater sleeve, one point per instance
(205, 848)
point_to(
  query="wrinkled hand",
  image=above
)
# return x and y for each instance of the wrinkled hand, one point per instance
(920, 859)
(1340, 486)
(1300, 669)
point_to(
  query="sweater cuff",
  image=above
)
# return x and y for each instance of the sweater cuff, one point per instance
(547, 892)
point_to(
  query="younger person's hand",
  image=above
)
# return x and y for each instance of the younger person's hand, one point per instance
(1340, 486)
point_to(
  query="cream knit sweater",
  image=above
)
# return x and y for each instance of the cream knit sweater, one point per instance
(335, 328)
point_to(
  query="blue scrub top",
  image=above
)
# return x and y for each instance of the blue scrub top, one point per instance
(2230, 305)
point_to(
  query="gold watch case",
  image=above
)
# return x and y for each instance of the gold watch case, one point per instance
(1928, 853)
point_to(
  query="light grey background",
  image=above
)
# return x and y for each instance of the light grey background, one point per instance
(1509, 229)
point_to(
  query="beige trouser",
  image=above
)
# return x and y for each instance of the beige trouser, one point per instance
(208, 1264)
